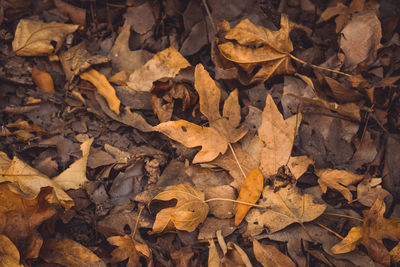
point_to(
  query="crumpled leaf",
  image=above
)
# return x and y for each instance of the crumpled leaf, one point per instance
(269, 255)
(339, 180)
(273, 51)
(9, 254)
(189, 212)
(36, 38)
(67, 252)
(164, 64)
(368, 190)
(103, 87)
(375, 228)
(222, 131)
(21, 215)
(29, 180)
(75, 176)
(287, 206)
(127, 248)
(250, 191)
(43, 80)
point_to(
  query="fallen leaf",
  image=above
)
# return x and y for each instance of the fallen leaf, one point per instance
(29, 180)
(233, 254)
(76, 14)
(103, 87)
(75, 176)
(214, 140)
(36, 38)
(212, 224)
(183, 257)
(213, 257)
(269, 255)
(20, 216)
(189, 212)
(141, 17)
(9, 254)
(127, 248)
(221, 209)
(43, 80)
(287, 206)
(250, 191)
(67, 252)
(339, 180)
(369, 190)
(164, 64)
(375, 228)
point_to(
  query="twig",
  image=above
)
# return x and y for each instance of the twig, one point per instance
(137, 223)
(237, 161)
(317, 67)
(344, 216)
(236, 201)
(209, 16)
(329, 230)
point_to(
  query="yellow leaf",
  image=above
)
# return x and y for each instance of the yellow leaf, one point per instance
(338, 179)
(250, 192)
(189, 212)
(103, 87)
(43, 80)
(350, 242)
(129, 249)
(36, 38)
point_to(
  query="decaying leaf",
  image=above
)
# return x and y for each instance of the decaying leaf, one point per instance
(103, 87)
(75, 176)
(368, 190)
(189, 212)
(43, 80)
(67, 252)
(286, 206)
(164, 64)
(214, 140)
(273, 53)
(36, 38)
(339, 180)
(375, 228)
(269, 255)
(127, 248)
(250, 191)
(9, 254)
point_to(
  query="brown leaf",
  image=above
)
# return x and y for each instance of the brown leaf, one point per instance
(35, 38)
(43, 80)
(164, 64)
(67, 252)
(189, 212)
(339, 180)
(286, 206)
(213, 257)
(129, 249)
(183, 257)
(250, 191)
(103, 87)
(269, 255)
(76, 14)
(9, 254)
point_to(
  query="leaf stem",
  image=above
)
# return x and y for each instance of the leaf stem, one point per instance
(237, 161)
(236, 201)
(318, 67)
(137, 223)
(344, 216)
(329, 230)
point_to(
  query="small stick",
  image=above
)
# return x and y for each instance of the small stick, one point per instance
(236, 201)
(237, 161)
(318, 67)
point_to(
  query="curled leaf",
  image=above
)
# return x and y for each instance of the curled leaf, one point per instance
(43, 80)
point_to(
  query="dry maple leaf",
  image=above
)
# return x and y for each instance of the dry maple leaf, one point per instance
(273, 50)
(129, 249)
(286, 206)
(223, 129)
(36, 38)
(338, 179)
(250, 191)
(269, 255)
(375, 228)
(189, 212)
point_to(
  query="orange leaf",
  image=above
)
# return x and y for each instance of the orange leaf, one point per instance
(250, 191)
(103, 87)
(43, 80)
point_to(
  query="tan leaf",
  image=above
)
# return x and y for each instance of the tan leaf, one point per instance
(213, 257)
(43, 80)
(250, 191)
(164, 64)
(299, 165)
(233, 254)
(189, 212)
(75, 176)
(272, 68)
(67, 252)
(269, 256)
(29, 180)
(35, 38)
(339, 180)
(286, 206)
(278, 138)
(103, 87)
(9, 254)
(76, 14)
(129, 249)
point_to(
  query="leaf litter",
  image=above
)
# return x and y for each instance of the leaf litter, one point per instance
(199, 122)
